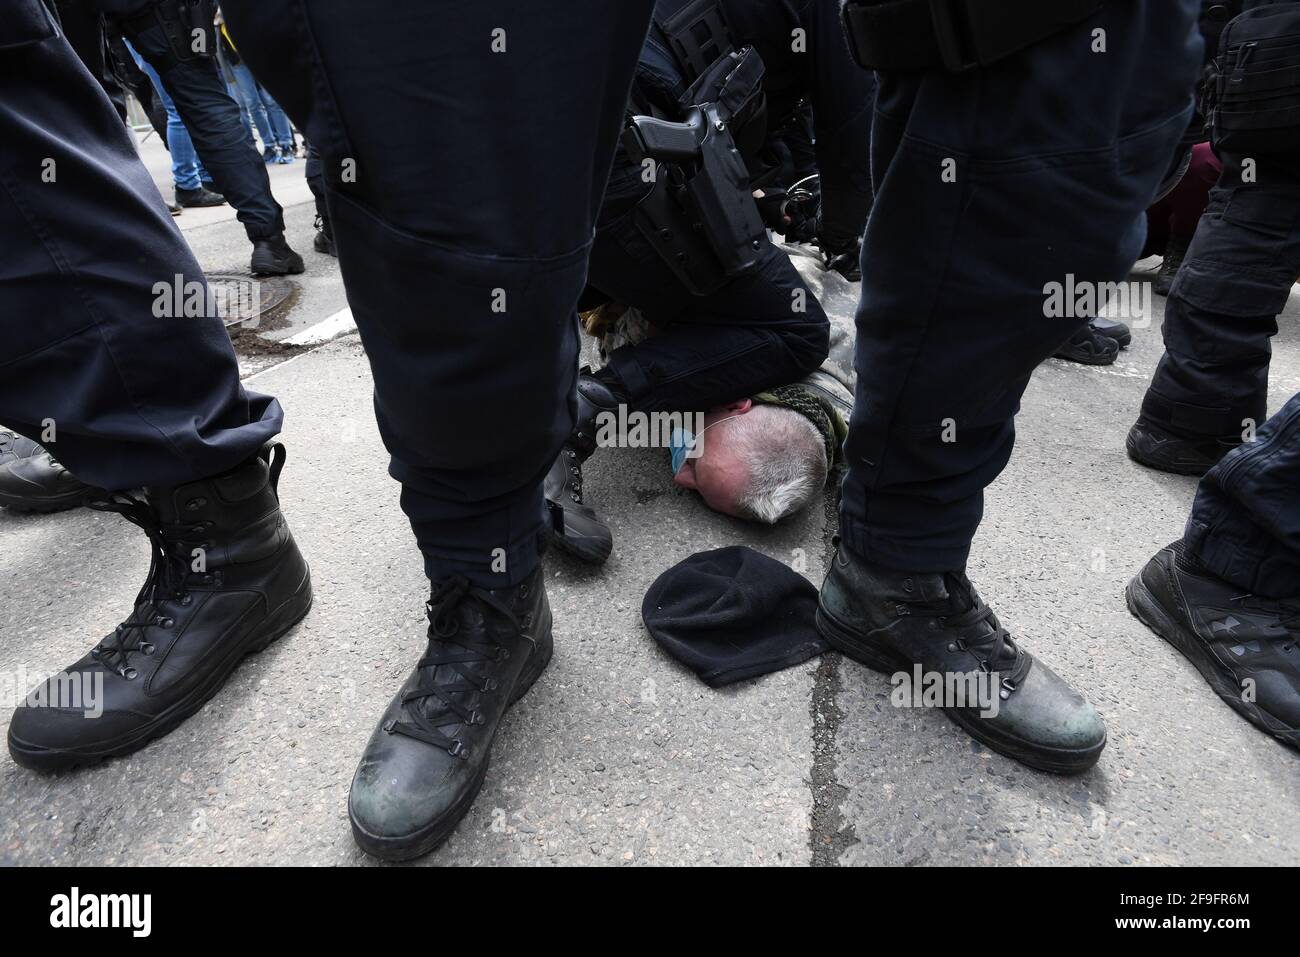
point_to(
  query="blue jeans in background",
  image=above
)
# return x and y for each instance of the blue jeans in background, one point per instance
(272, 125)
(279, 123)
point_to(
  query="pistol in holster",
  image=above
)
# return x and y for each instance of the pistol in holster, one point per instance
(700, 215)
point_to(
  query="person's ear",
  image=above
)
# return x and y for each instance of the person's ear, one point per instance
(739, 406)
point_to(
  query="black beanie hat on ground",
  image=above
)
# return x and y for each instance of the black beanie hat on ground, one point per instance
(733, 613)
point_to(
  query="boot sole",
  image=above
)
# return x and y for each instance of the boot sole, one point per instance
(1195, 467)
(277, 624)
(408, 847)
(1147, 609)
(1088, 359)
(270, 266)
(886, 661)
(42, 506)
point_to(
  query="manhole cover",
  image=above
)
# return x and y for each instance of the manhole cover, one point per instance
(243, 302)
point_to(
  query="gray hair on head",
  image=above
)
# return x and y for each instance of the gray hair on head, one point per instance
(786, 460)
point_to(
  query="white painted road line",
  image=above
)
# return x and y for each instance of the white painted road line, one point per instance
(331, 327)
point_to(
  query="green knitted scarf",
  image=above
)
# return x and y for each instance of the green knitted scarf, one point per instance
(816, 410)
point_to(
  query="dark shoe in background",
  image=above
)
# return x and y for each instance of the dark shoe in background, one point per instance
(1154, 446)
(226, 579)
(173, 209)
(323, 241)
(1175, 251)
(426, 762)
(1247, 647)
(33, 480)
(576, 529)
(891, 621)
(1112, 329)
(1089, 347)
(273, 257)
(197, 198)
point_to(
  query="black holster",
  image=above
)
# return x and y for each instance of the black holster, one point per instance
(954, 35)
(700, 215)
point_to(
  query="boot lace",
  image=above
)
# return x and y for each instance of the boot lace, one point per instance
(432, 705)
(169, 572)
(979, 632)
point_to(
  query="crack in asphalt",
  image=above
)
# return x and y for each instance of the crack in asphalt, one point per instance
(830, 834)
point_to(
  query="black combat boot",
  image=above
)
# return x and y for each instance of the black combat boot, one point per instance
(575, 527)
(1090, 347)
(32, 480)
(1154, 446)
(226, 580)
(1175, 251)
(198, 197)
(1246, 646)
(891, 621)
(273, 256)
(323, 241)
(426, 761)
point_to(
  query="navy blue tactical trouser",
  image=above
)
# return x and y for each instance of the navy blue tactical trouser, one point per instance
(1245, 522)
(1212, 381)
(222, 142)
(763, 329)
(132, 399)
(465, 150)
(990, 184)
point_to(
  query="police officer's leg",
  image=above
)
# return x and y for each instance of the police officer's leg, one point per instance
(223, 145)
(324, 239)
(1245, 522)
(980, 205)
(1210, 389)
(1228, 594)
(128, 391)
(763, 329)
(466, 149)
(133, 397)
(188, 185)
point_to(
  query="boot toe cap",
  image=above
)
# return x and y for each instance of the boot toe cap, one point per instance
(403, 789)
(50, 737)
(1045, 714)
